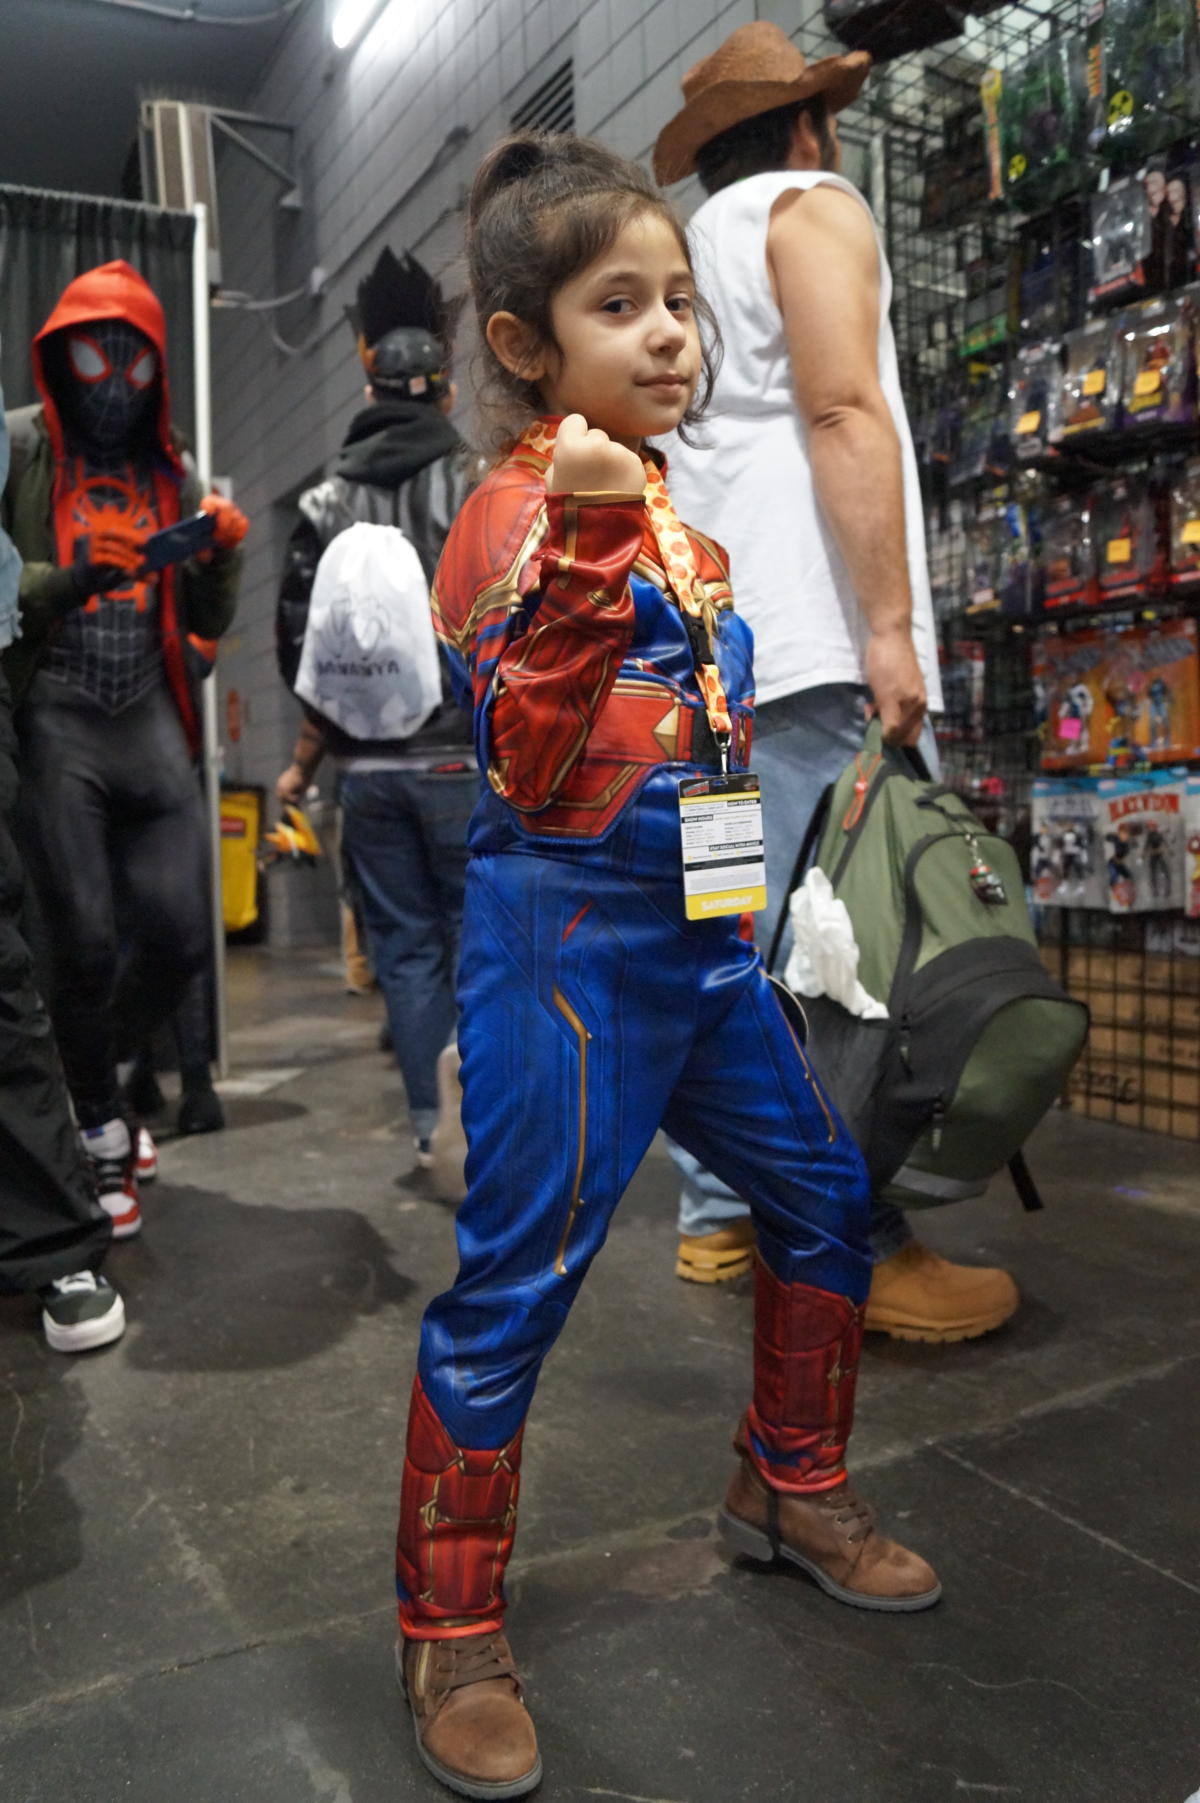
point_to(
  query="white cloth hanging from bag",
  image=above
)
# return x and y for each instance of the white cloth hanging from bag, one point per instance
(824, 958)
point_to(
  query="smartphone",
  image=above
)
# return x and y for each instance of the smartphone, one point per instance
(175, 544)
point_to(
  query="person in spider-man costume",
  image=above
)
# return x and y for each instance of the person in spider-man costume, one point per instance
(111, 812)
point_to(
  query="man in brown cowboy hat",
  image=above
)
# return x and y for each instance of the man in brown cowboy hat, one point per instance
(807, 476)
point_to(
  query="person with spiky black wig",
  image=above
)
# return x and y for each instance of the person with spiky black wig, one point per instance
(405, 803)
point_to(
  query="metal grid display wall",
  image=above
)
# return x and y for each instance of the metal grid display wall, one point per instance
(965, 304)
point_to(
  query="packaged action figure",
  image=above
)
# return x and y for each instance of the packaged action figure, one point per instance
(1142, 823)
(1067, 556)
(1121, 241)
(1066, 866)
(1191, 846)
(1171, 198)
(982, 449)
(1052, 271)
(1129, 558)
(1090, 381)
(1068, 674)
(1033, 400)
(1042, 109)
(1150, 685)
(1158, 363)
(1183, 525)
(998, 570)
(1142, 59)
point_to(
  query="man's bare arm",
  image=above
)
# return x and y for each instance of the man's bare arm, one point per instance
(824, 268)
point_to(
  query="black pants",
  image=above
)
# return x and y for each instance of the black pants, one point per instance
(50, 1221)
(113, 830)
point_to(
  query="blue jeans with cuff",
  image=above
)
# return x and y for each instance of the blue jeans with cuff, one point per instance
(404, 838)
(802, 743)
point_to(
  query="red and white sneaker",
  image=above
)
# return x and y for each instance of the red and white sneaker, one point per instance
(116, 1176)
(146, 1164)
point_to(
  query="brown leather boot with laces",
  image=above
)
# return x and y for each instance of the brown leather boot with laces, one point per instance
(473, 1730)
(830, 1534)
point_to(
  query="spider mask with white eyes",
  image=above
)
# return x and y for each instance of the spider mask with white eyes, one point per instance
(105, 377)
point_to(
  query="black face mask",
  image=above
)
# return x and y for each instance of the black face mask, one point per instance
(105, 379)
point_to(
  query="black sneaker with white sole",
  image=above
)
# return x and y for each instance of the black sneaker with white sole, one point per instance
(80, 1312)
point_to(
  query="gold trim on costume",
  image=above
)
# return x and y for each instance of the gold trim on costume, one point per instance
(582, 1036)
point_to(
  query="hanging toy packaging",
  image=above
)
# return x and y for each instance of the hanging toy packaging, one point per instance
(1042, 107)
(1158, 363)
(1142, 823)
(1191, 845)
(1142, 72)
(1150, 684)
(1120, 242)
(1067, 556)
(1068, 674)
(1183, 512)
(1066, 865)
(1033, 400)
(1090, 384)
(1125, 530)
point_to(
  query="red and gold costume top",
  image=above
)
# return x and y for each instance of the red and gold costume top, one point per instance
(565, 611)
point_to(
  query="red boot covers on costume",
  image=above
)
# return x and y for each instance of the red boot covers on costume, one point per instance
(806, 1347)
(458, 1516)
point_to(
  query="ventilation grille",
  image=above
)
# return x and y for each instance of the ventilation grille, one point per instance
(552, 106)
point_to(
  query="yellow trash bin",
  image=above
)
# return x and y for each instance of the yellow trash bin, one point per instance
(241, 829)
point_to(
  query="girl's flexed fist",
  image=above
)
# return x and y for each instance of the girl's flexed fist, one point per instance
(589, 462)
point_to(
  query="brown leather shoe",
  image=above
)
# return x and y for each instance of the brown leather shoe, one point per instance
(832, 1536)
(716, 1257)
(473, 1730)
(917, 1295)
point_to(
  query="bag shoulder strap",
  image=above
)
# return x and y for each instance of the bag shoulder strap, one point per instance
(1024, 1184)
(808, 846)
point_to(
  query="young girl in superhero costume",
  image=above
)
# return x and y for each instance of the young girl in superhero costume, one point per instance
(606, 665)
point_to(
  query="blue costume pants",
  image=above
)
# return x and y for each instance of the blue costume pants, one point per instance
(592, 1014)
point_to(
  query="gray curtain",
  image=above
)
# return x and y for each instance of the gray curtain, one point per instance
(47, 239)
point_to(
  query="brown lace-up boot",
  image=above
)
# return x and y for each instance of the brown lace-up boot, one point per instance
(789, 1498)
(473, 1730)
(830, 1534)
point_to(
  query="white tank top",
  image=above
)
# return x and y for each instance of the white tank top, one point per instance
(751, 486)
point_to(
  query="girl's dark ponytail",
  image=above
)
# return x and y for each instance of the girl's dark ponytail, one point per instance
(512, 160)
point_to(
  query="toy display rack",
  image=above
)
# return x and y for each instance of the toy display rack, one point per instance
(1139, 974)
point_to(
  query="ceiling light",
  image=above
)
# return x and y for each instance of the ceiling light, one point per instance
(350, 20)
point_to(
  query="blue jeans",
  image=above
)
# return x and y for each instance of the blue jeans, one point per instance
(404, 838)
(802, 743)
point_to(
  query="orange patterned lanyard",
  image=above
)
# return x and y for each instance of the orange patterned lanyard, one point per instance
(679, 567)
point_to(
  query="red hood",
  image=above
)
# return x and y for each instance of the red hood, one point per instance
(112, 291)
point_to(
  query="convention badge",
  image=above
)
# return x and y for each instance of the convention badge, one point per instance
(722, 827)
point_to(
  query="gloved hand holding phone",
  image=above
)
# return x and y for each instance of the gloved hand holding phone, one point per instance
(231, 523)
(115, 555)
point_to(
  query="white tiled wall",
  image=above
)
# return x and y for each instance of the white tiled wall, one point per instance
(368, 123)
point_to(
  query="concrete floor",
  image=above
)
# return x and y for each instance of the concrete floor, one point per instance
(196, 1526)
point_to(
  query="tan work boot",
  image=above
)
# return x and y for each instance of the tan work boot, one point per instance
(716, 1257)
(473, 1730)
(916, 1295)
(832, 1536)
